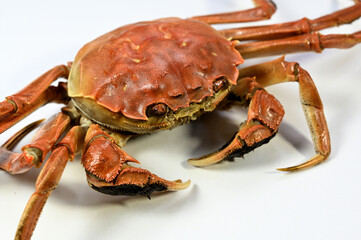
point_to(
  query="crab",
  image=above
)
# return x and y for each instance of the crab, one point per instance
(150, 76)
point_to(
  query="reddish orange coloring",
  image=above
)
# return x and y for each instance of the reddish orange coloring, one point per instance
(171, 61)
(157, 75)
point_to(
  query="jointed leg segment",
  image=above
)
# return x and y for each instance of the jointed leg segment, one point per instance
(300, 27)
(264, 9)
(48, 180)
(34, 153)
(298, 36)
(36, 94)
(279, 71)
(308, 42)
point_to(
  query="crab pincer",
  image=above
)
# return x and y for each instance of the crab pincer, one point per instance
(108, 171)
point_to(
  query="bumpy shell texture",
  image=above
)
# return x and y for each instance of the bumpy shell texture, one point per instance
(171, 61)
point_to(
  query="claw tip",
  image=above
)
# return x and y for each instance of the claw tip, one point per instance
(179, 185)
(285, 169)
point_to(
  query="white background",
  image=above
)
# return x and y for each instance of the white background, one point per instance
(245, 199)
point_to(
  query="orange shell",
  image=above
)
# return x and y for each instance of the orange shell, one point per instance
(170, 61)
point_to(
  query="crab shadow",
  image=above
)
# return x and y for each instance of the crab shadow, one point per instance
(212, 131)
(215, 129)
(80, 194)
(297, 139)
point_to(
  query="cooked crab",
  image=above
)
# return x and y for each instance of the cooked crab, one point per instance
(157, 75)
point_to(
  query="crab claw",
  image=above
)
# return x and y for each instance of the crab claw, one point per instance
(218, 156)
(108, 171)
(251, 135)
(133, 181)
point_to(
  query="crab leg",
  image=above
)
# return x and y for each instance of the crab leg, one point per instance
(264, 9)
(266, 113)
(34, 153)
(279, 71)
(48, 180)
(308, 42)
(302, 26)
(36, 94)
(107, 168)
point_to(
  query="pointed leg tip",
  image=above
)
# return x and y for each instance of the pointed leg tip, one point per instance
(194, 162)
(178, 185)
(200, 162)
(288, 169)
(315, 160)
(295, 168)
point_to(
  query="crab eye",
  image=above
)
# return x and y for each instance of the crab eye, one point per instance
(157, 109)
(219, 83)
